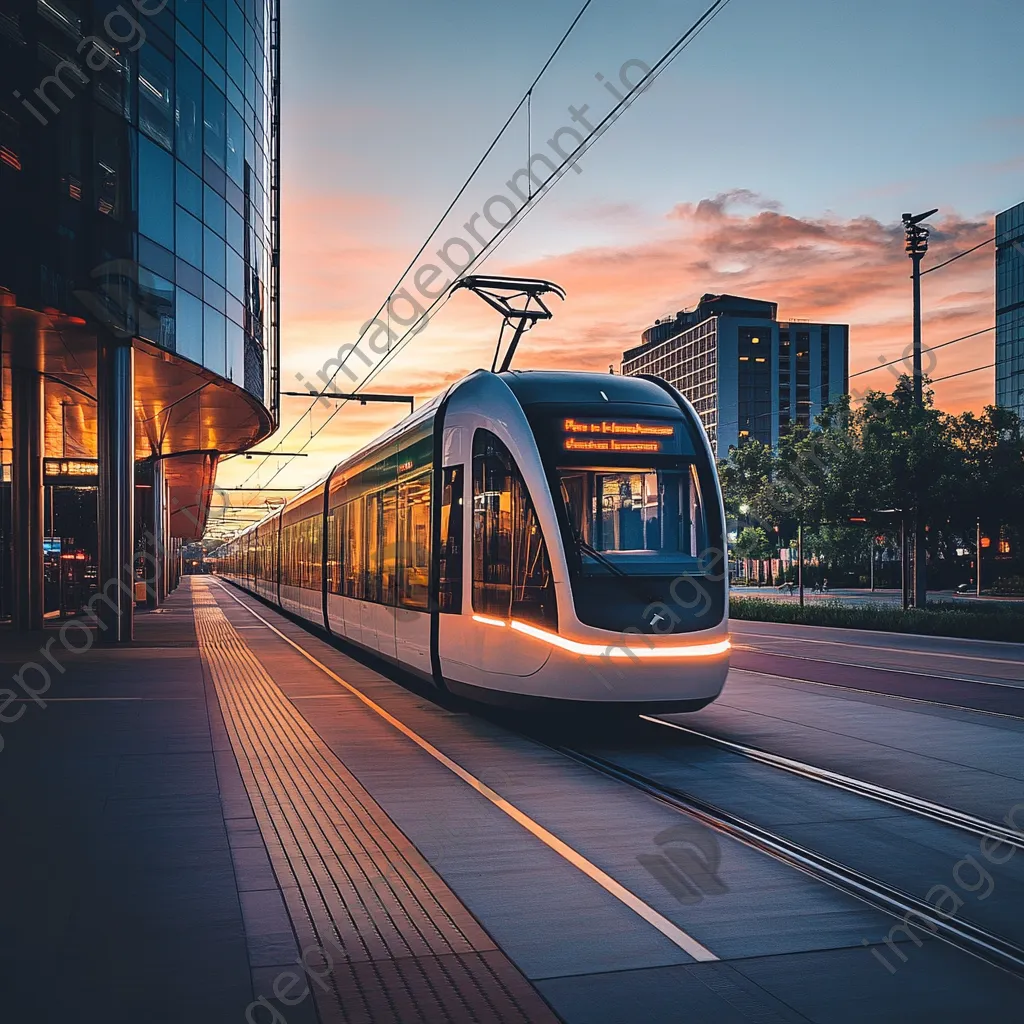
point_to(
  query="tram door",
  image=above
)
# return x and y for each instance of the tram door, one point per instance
(511, 569)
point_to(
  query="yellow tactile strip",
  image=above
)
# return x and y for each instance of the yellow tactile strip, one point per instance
(402, 945)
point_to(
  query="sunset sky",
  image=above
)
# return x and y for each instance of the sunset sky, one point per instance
(773, 159)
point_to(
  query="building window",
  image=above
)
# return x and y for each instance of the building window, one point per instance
(825, 358)
(785, 382)
(156, 194)
(156, 96)
(754, 383)
(188, 113)
(803, 378)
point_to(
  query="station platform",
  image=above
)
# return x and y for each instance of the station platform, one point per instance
(193, 850)
(233, 820)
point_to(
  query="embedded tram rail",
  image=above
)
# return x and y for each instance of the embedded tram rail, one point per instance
(969, 938)
(950, 816)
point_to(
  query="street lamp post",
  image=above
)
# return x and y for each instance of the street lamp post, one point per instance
(977, 559)
(800, 559)
(917, 246)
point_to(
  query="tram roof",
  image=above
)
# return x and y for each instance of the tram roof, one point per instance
(535, 386)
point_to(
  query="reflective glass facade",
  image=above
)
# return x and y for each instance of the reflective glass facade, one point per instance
(1010, 309)
(137, 173)
(747, 375)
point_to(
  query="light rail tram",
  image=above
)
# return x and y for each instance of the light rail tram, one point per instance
(531, 539)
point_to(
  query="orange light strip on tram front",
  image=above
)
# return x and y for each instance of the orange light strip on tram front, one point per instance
(611, 650)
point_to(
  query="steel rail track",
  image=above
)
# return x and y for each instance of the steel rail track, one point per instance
(971, 939)
(893, 798)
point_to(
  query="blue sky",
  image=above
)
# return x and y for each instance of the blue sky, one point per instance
(831, 117)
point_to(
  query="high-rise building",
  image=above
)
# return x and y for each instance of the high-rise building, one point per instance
(139, 214)
(747, 374)
(1010, 309)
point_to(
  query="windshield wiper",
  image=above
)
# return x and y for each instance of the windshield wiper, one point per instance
(635, 583)
(598, 557)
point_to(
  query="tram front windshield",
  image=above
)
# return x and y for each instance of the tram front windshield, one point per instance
(642, 519)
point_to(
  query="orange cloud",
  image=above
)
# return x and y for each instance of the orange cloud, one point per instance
(341, 257)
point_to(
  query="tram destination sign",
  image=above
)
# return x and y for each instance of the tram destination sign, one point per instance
(620, 436)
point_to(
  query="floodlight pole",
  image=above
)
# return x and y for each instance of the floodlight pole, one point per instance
(917, 246)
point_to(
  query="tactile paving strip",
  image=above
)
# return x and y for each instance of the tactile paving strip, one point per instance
(402, 946)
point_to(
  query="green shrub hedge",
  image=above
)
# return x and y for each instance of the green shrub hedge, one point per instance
(993, 621)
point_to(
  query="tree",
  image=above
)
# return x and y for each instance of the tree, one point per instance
(888, 454)
(905, 452)
(745, 475)
(752, 543)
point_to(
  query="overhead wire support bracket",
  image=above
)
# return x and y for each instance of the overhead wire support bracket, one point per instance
(362, 397)
(518, 300)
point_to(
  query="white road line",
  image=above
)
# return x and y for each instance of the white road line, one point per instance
(671, 931)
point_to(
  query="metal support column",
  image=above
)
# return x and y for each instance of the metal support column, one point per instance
(977, 558)
(917, 246)
(904, 567)
(27, 397)
(115, 374)
(800, 560)
(156, 538)
(164, 538)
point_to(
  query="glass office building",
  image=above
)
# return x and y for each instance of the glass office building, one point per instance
(1010, 309)
(748, 375)
(139, 205)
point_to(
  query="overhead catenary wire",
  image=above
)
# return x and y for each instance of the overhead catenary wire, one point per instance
(526, 98)
(959, 256)
(930, 348)
(962, 373)
(517, 218)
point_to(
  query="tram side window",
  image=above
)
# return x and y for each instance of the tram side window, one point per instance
(287, 561)
(492, 526)
(511, 567)
(414, 541)
(334, 551)
(354, 560)
(313, 551)
(373, 548)
(389, 545)
(452, 523)
(533, 589)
